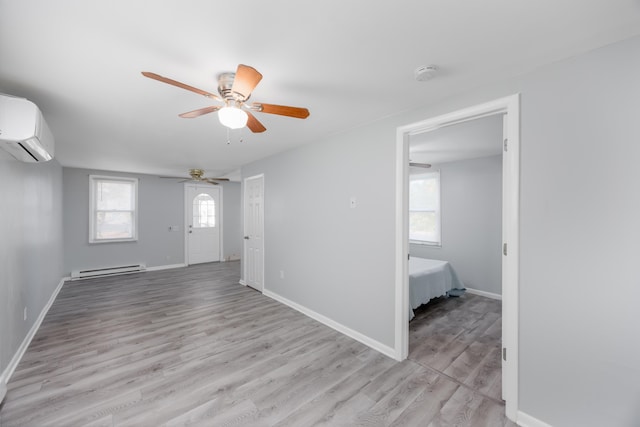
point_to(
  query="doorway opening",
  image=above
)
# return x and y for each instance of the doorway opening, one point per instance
(509, 108)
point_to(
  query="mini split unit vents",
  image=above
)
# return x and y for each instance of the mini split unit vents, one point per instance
(23, 131)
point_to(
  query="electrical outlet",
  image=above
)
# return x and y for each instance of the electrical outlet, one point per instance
(282, 274)
(25, 314)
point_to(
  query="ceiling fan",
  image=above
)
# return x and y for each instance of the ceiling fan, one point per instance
(197, 175)
(235, 90)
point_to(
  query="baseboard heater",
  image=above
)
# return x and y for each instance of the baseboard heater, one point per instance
(109, 271)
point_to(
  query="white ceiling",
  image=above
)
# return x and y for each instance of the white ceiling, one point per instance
(349, 62)
(462, 141)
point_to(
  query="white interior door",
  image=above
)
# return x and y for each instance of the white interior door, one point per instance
(203, 224)
(254, 231)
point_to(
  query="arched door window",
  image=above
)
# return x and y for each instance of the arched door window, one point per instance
(204, 211)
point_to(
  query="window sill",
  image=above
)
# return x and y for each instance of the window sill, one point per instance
(422, 243)
(98, 242)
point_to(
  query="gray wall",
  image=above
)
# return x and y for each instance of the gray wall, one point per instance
(580, 234)
(232, 220)
(471, 218)
(30, 246)
(161, 204)
(336, 260)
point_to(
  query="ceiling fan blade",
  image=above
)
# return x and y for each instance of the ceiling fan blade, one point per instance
(246, 79)
(283, 110)
(419, 165)
(219, 179)
(208, 180)
(180, 85)
(254, 124)
(199, 112)
(174, 177)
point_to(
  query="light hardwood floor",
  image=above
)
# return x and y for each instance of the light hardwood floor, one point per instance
(191, 346)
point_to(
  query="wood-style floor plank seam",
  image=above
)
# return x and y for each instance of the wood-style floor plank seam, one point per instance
(191, 346)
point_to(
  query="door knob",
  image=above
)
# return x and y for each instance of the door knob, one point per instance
(246, 237)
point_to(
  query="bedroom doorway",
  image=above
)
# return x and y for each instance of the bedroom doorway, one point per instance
(508, 228)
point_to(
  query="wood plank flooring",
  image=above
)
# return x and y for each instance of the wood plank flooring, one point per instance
(191, 346)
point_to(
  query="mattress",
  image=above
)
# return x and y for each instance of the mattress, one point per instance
(428, 279)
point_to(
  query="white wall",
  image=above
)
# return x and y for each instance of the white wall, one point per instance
(580, 234)
(30, 247)
(471, 217)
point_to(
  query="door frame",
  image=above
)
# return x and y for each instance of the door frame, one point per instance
(510, 106)
(244, 229)
(220, 189)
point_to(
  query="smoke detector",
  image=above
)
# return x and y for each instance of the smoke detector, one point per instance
(425, 72)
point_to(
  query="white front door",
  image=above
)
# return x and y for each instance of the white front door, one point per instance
(254, 231)
(203, 223)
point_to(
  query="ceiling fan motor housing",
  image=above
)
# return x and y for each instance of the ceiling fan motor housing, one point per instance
(225, 84)
(196, 174)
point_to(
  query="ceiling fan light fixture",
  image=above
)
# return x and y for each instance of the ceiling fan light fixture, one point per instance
(232, 117)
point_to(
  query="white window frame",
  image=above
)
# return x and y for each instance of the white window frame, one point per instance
(438, 211)
(93, 182)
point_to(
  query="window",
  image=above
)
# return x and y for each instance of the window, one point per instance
(113, 210)
(424, 209)
(204, 211)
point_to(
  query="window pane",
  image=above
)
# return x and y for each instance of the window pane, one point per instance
(424, 208)
(113, 215)
(204, 211)
(423, 226)
(423, 194)
(113, 195)
(114, 225)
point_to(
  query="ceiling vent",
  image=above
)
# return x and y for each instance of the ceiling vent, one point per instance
(23, 131)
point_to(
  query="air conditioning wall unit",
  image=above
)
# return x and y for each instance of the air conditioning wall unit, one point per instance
(23, 131)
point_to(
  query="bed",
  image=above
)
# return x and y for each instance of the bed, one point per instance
(430, 278)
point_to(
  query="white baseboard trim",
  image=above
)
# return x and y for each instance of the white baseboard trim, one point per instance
(13, 364)
(526, 420)
(242, 282)
(484, 294)
(165, 267)
(376, 345)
